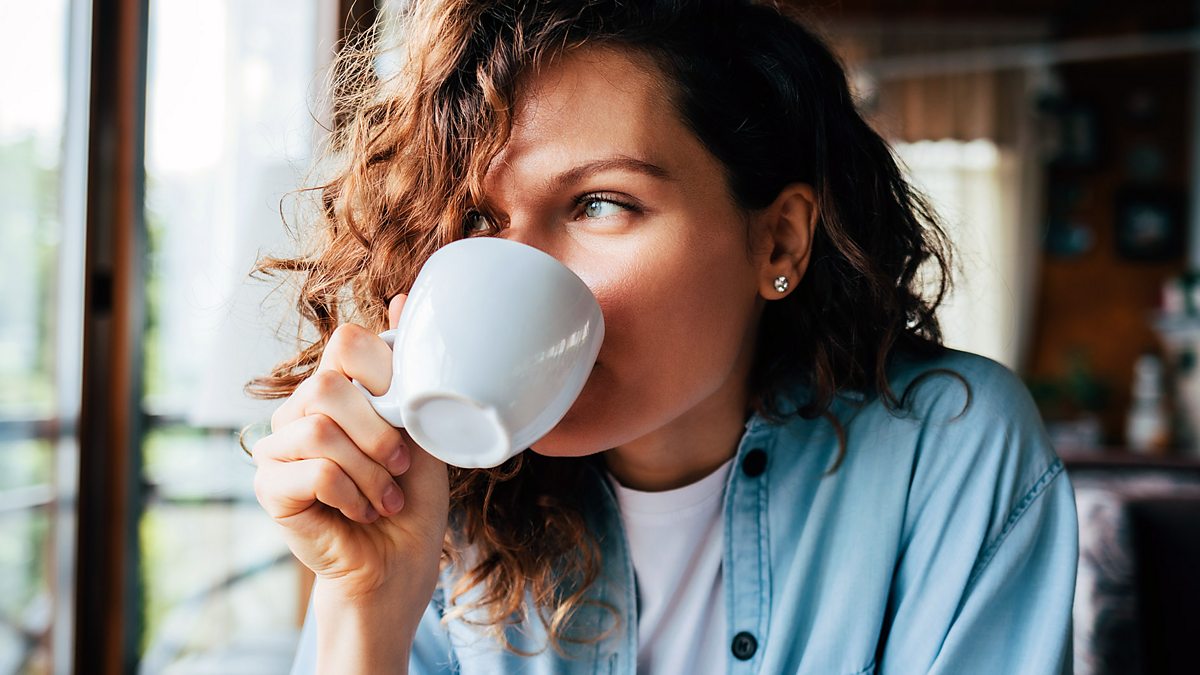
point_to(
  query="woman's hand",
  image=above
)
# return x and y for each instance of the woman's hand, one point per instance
(361, 505)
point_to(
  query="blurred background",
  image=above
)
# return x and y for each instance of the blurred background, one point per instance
(147, 153)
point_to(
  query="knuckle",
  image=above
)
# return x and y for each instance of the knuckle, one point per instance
(322, 429)
(347, 336)
(383, 445)
(327, 476)
(324, 384)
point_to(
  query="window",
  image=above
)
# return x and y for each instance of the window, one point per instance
(231, 91)
(229, 125)
(42, 145)
(976, 188)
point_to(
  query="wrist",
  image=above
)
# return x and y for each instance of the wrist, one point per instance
(363, 634)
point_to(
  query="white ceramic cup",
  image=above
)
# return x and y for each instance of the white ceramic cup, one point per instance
(494, 344)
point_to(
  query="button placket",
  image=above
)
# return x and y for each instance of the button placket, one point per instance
(748, 582)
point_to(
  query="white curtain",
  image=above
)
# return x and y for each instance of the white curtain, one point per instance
(977, 189)
(233, 91)
(968, 140)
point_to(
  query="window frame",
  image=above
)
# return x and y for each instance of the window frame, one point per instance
(111, 494)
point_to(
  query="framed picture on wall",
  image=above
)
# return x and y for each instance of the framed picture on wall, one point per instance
(1071, 134)
(1149, 224)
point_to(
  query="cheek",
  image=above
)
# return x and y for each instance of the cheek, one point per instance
(676, 314)
(674, 326)
(680, 298)
(663, 353)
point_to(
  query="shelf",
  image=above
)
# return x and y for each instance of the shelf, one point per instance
(1121, 458)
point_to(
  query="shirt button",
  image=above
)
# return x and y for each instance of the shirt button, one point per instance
(744, 646)
(755, 463)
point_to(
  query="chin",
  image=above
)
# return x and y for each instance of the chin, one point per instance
(582, 431)
(570, 438)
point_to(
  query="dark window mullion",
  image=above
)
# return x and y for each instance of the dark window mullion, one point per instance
(108, 606)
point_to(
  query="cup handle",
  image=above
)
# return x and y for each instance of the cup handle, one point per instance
(387, 405)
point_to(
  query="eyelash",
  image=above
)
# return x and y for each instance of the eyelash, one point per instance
(580, 202)
(606, 197)
(468, 221)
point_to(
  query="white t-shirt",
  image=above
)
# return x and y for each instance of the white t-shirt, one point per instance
(676, 538)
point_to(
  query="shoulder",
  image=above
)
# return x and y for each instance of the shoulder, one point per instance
(957, 385)
(966, 443)
(979, 452)
(952, 407)
(968, 410)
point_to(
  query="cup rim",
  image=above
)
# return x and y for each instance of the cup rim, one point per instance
(516, 247)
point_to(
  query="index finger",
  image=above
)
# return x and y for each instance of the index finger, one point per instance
(358, 354)
(394, 309)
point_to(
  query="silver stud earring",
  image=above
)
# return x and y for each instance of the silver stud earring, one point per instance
(781, 283)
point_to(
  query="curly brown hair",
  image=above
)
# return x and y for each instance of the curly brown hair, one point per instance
(763, 94)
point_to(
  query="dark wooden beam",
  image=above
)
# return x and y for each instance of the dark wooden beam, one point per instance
(356, 17)
(107, 591)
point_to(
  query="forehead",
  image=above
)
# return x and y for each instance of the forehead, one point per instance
(596, 101)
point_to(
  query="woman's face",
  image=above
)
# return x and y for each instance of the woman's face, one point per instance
(601, 173)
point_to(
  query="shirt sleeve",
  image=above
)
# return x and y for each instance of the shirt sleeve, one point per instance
(986, 577)
(431, 654)
(1015, 613)
(305, 662)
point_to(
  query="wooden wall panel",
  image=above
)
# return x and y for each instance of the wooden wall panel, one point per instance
(1100, 304)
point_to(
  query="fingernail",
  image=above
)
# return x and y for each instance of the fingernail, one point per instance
(398, 462)
(372, 514)
(393, 501)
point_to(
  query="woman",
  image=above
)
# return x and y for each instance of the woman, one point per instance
(774, 466)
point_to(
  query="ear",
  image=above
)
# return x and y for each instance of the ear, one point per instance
(786, 228)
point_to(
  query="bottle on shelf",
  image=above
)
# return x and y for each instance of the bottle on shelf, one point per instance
(1148, 425)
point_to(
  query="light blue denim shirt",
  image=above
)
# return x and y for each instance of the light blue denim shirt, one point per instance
(946, 542)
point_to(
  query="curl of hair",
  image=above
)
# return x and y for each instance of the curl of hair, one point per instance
(765, 96)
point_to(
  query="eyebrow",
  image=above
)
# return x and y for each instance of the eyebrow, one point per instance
(616, 163)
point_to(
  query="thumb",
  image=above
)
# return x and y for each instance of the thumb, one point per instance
(394, 308)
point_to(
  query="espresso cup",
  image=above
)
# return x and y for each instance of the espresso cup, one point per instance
(494, 344)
